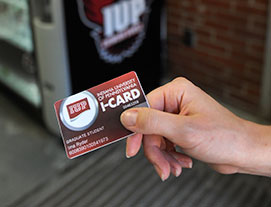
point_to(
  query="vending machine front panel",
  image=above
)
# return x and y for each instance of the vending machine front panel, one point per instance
(108, 38)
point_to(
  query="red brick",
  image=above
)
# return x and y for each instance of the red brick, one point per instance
(211, 46)
(216, 3)
(231, 40)
(242, 6)
(228, 56)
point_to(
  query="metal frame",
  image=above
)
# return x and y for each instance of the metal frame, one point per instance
(53, 63)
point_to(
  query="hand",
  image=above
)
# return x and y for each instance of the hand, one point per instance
(181, 114)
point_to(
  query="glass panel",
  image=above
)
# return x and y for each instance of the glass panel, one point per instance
(15, 24)
(25, 86)
(17, 64)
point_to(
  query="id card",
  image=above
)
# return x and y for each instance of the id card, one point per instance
(91, 119)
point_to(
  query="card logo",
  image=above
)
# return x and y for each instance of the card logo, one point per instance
(78, 112)
(117, 26)
(77, 108)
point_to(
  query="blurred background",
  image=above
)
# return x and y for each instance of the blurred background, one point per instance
(50, 49)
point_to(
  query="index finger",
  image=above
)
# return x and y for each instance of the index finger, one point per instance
(166, 98)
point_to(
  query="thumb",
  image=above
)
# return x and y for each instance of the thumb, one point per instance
(152, 121)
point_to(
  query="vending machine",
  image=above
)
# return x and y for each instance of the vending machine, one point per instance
(62, 47)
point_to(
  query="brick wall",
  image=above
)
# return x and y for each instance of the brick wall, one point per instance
(228, 43)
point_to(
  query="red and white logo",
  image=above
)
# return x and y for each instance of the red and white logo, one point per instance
(78, 112)
(117, 26)
(77, 108)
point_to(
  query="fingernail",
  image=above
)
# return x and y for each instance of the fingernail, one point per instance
(129, 117)
(186, 164)
(178, 172)
(127, 156)
(160, 173)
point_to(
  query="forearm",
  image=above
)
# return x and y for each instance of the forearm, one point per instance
(257, 152)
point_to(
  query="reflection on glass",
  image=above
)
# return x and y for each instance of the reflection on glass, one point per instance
(27, 88)
(15, 24)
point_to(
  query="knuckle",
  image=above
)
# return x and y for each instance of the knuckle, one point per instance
(181, 81)
(186, 85)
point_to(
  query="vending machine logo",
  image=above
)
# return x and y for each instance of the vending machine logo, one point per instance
(117, 26)
(78, 112)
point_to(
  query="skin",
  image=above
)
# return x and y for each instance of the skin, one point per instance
(183, 115)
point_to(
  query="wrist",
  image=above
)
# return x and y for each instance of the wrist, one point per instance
(256, 158)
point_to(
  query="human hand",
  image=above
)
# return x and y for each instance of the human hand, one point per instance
(181, 114)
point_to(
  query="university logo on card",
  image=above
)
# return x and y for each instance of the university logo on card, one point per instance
(77, 108)
(78, 112)
(118, 27)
